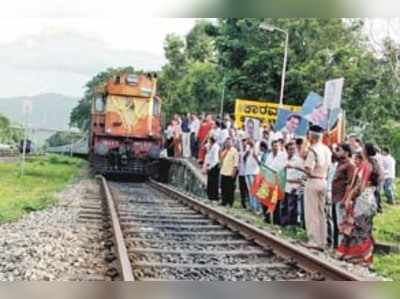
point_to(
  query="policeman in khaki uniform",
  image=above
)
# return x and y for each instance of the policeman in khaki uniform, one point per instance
(316, 167)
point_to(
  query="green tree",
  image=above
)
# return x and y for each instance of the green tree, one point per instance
(172, 72)
(318, 50)
(199, 44)
(200, 89)
(63, 138)
(191, 80)
(8, 135)
(380, 115)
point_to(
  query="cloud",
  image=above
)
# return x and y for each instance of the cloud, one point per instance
(71, 52)
(60, 54)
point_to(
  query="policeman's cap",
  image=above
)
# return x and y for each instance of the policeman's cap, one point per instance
(316, 129)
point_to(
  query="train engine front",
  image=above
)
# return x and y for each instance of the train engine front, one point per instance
(125, 129)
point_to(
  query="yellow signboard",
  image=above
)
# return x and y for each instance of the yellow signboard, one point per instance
(266, 112)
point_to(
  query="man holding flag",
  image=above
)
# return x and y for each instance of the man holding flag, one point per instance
(277, 160)
(269, 184)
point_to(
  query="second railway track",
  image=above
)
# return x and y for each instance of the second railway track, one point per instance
(162, 234)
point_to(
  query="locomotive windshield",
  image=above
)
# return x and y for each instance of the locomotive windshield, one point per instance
(156, 107)
(99, 104)
(132, 79)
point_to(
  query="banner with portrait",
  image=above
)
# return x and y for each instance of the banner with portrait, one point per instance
(265, 112)
(291, 123)
(325, 111)
(252, 128)
(314, 111)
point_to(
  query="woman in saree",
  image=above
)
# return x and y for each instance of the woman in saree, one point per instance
(357, 244)
(203, 135)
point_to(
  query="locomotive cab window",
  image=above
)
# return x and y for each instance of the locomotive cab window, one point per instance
(132, 80)
(156, 106)
(99, 104)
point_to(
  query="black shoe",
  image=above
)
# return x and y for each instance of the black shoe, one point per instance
(267, 219)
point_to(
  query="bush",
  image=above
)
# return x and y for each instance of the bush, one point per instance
(59, 159)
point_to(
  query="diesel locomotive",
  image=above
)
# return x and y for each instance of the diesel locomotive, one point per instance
(125, 126)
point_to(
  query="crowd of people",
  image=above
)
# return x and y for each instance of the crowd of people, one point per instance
(333, 192)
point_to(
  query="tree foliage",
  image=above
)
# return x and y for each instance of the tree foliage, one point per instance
(191, 80)
(319, 50)
(8, 135)
(63, 138)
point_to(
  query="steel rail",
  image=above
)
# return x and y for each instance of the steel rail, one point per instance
(120, 246)
(283, 248)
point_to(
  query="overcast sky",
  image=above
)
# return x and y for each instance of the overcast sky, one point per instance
(57, 45)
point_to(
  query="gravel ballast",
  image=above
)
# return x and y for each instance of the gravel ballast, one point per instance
(52, 245)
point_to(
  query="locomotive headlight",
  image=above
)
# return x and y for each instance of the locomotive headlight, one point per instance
(145, 92)
(101, 149)
(154, 152)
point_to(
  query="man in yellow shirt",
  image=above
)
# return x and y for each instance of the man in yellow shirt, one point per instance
(229, 168)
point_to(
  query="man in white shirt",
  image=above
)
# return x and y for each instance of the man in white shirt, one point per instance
(185, 127)
(194, 127)
(212, 167)
(169, 134)
(389, 171)
(251, 165)
(294, 177)
(227, 121)
(276, 160)
(244, 192)
(380, 158)
(223, 134)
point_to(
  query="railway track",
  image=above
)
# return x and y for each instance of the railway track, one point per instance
(160, 233)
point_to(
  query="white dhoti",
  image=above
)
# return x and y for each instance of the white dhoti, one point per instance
(186, 145)
(315, 214)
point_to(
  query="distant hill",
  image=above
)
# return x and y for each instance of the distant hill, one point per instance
(50, 110)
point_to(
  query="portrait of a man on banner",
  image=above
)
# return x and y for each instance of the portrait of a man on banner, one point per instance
(291, 124)
(252, 128)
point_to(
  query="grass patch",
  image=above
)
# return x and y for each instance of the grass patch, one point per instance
(296, 233)
(35, 190)
(387, 230)
(388, 266)
(387, 224)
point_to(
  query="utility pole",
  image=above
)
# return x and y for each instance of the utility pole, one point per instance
(27, 110)
(270, 28)
(222, 98)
